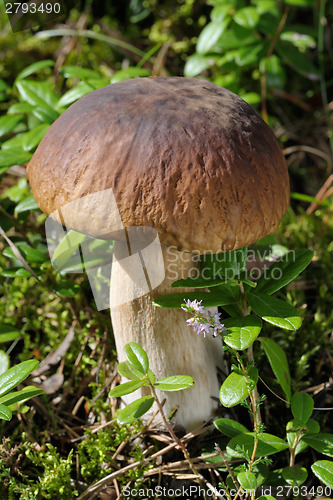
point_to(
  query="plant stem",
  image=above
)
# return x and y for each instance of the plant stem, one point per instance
(177, 440)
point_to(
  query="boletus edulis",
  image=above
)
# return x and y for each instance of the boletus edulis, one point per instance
(191, 160)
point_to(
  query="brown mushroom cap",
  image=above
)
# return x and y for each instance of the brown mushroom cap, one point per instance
(182, 155)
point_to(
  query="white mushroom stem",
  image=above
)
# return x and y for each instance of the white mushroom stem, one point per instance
(172, 346)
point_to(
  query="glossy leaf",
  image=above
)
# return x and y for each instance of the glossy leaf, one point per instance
(74, 94)
(176, 300)
(137, 357)
(210, 35)
(15, 375)
(285, 270)
(8, 123)
(5, 413)
(4, 362)
(247, 17)
(323, 470)
(195, 65)
(236, 388)
(135, 410)
(20, 107)
(311, 427)
(31, 92)
(66, 289)
(229, 427)
(242, 331)
(26, 205)
(227, 264)
(197, 282)
(295, 475)
(174, 383)
(279, 364)
(128, 371)
(241, 446)
(8, 333)
(81, 73)
(126, 388)
(247, 480)
(297, 60)
(34, 68)
(21, 396)
(275, 311)
(302, 406)
(127, 73)
(322, 442)
(13, 156)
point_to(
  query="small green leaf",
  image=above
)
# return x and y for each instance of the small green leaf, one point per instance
(279, 364)
(20, 107)
(295, 475)
(8, 123)
(15, 375)
(81, 73)
(229, 427)
(323, 470)
(131, 72)
(37, 94)
(137, 357)
(5, 413)
(14, 156)
(236, 388)
(135, 410)
(176, 300)
(241, 446)
(297, 60)
(247, 17)
(21, 396)
(311, 427)
(195, 65)
(247, 480)
(197, 282)
(224, 265)
(75, 94)
(174, 383)
(210, 35)
(126, 388)
(302, 406)
(285, 270)
(128, 371)
(301, 3)
(26, 205)
(4, 362)
(8, 333)
(34, 68)
(66, 289)
(322, 442)
(275, 311)
(242, 332)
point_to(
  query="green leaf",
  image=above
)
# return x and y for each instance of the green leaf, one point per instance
(8, 123)
(311, 427)
(135, 410)
(176, 300)
(34, 68)
(296, 60)
(66, 289)
(229, 427)
(26, 205)
(8, 333)
(295, 475)
(195, 65)
(15, 375)
(131, 72)
(20, 107)
(126, 388)
(242, 332)
(21, 396)
(247, 480)
(36, 95)
(81, 73)
(210, 35)
(323, 470)
(300, 3)
(247, 17)
(137, 357)
(197, 282)
(74, 94)
(241, 446)
(127, 371)
(13, 156)
(266, 497)
(174, 383)
(279, 364)
(236, 388)
(27, 141)
(285, 270)
(302, 406)
(275, 311)
(322, 442)
(227, 264)
(4, 362)
(5, 413)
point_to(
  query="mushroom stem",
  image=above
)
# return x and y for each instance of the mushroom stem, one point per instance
(172, 346)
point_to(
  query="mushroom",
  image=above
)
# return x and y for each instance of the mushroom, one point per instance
(186, 158)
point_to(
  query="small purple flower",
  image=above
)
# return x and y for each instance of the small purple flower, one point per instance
(203, 321)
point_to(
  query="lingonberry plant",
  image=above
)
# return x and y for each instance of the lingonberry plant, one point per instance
(246, 303)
